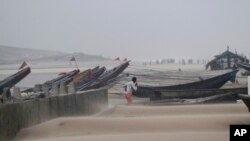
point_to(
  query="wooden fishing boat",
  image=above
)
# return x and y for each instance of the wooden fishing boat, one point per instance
(210, 83)
(244, 66)
(62, 79)
(104, 79)
(95, 74)
(196, 93)
(246, 73)
(220, 98)
(14, 79)
(81, 76)
(246, 100)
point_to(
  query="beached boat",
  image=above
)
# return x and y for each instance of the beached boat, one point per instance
(80, 76)
(83, 75)
(197, 93)
(220, 98)
(244, 66)
(246, 73)
(246, 100)
(66, 78)
(210, 83)
(14, 79)
(105, 79)
(95, 74)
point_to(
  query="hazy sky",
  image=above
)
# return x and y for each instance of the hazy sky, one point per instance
(137, 29)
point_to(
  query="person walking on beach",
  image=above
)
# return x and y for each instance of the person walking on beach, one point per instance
(129, 88)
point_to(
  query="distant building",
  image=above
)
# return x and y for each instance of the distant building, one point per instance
(226, 60)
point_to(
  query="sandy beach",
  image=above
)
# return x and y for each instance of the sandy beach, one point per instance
(144, 121)
(135, 122)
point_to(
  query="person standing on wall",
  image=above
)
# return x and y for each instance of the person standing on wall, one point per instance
(129, 88)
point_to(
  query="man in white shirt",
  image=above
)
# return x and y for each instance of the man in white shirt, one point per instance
(130, 87)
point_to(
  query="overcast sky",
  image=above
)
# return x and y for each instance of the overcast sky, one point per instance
(136, 29)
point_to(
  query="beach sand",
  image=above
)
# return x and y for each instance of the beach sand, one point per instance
(135, 122)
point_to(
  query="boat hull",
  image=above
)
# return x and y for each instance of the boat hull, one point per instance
(105, 78)
(14, 79)
(244, 66)
(211, 83)
(246, 100)
(195, 93)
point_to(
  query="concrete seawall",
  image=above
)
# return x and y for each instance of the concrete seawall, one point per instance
(15, 116)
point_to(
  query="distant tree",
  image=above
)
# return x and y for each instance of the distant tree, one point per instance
(190, 61)
(157, 62)
(198, 61)
(183, 62)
